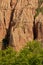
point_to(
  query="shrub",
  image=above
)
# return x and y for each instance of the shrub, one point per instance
(7, 57)
(31, 54)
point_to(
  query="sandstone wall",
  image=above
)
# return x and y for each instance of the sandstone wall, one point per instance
(16, 21)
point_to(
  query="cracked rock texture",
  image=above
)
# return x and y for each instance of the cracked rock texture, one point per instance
(39, 27)
(16, 22)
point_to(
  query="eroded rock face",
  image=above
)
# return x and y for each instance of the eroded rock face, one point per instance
(39, 26)
(16, 21)
(2, 26)
(23, 18)
(23, 30)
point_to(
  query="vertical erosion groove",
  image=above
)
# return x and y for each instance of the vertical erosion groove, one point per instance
(6, 40)
(35, 30)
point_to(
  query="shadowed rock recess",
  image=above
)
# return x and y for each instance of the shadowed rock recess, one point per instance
(18, 24)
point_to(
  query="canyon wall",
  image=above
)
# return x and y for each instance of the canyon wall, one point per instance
(17, 23)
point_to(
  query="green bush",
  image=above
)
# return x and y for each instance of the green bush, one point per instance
(31, 54)
(7, 57)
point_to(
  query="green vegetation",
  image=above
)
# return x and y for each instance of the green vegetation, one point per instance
(31, 54)
(40, 2)
(39, 9)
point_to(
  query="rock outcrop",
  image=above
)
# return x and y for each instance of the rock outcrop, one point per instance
(23, 19)
(16, 22)
(39, 27)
